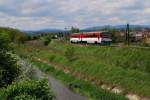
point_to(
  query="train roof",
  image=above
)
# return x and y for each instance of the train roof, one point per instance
(91, 32)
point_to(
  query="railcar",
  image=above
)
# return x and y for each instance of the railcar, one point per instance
(91, 37)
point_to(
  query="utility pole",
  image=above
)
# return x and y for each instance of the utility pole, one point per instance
(128, 34)
(67, 33)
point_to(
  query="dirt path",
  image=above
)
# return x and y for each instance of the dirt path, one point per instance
(60, 90)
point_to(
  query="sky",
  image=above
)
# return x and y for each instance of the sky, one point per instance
(44, 14)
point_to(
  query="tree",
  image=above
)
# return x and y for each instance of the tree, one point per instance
(21, 38)
(74, 30)
(114, 33)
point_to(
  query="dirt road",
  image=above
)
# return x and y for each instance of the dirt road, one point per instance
(60, 90)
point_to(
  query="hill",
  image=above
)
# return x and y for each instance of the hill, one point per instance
(119, 27)
(14, 34)
(31, 32)
(89, 29)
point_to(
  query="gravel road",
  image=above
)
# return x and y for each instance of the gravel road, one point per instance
(62, 92)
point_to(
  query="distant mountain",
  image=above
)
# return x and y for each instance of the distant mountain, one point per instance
(50, 30)
(89, 29)
(119, 27)
(132, 26)
(31, 32)
(95, 28)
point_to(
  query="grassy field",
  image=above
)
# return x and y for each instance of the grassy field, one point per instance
(78, 85)
(123, 67)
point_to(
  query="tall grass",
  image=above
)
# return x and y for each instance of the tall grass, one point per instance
(125, 67)
(78, 85)
(125, 57)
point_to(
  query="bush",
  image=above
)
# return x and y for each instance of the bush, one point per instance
(70, 54)
(46, 40)
(9, 70)
(28, 90)
(21, 38)
(24, 97)
(51, 58)
(4, 41)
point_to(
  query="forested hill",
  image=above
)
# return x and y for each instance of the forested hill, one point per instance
(14, 35)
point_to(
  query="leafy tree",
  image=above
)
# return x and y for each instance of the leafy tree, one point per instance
(114, 33)
(74, 30)
(20, 38)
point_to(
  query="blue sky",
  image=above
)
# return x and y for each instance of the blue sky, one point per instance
(39, 14)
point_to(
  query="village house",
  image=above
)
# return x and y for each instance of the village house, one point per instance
(143, 35)
(146, 35)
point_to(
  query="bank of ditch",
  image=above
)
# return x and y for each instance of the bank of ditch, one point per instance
(116, 70)
(76, 84)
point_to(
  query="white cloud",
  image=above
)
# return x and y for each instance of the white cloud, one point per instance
(29, 22)
(3, 1)
(33, 14)
(147, 11)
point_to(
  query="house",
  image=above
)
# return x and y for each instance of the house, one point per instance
(146, 35)
(136, 36)
(141, 35)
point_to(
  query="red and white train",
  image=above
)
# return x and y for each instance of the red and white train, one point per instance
(91, 37)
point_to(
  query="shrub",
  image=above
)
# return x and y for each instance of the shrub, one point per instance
(4, 41)
(70, 54)
(21, 38)
(32, 90)
(46, 40)
(51, 58)
(8, 67)
(24, 97)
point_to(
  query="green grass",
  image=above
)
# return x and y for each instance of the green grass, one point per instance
(85, 88)
(126, 57)
(124, 67)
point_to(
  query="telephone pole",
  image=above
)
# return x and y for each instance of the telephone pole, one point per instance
(128, 34)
